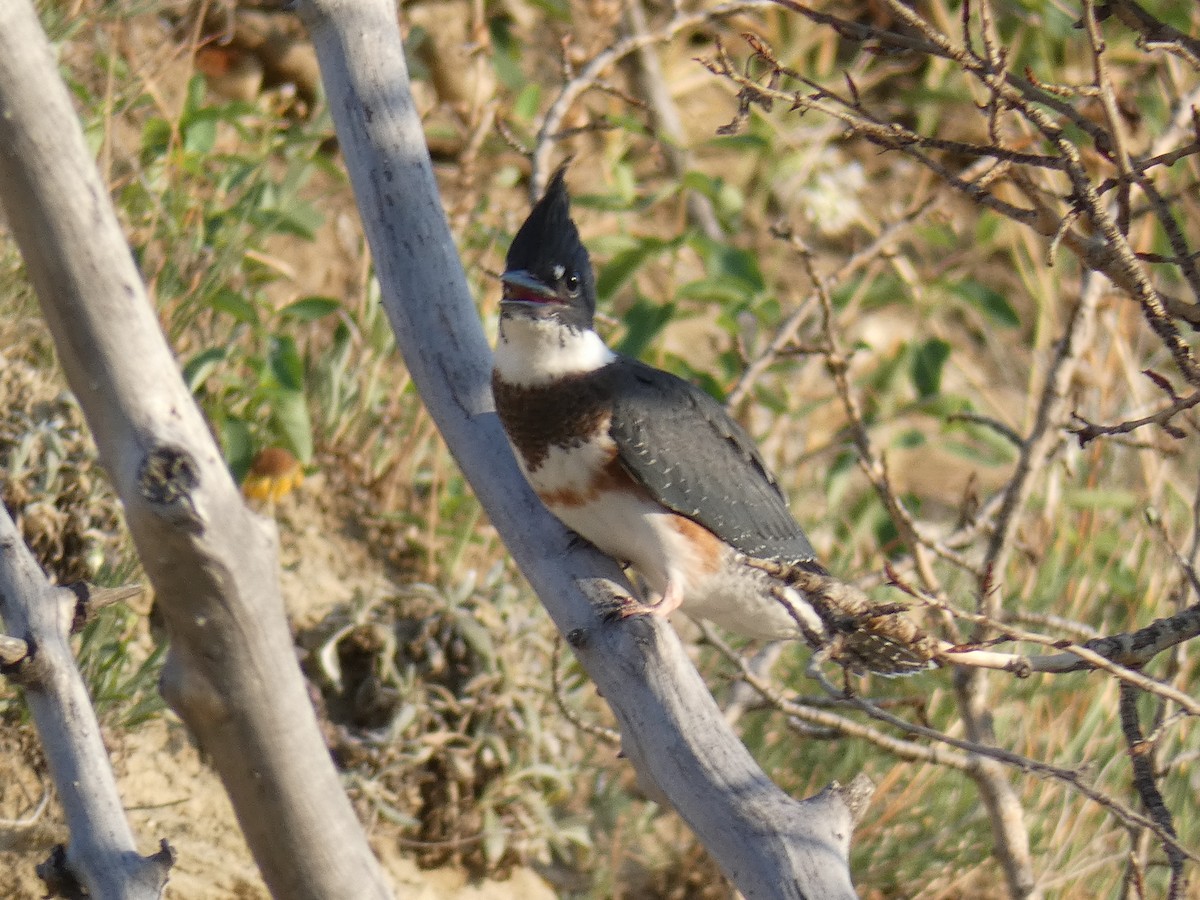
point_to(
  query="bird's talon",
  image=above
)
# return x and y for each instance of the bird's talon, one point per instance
(622, 606)
(627, 607)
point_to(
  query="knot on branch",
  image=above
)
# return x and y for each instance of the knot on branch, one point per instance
(166, 478)
(89, 600)
(155, 868)
(146, 875)
(12, 651)
(56, 874)
(20, 662)
(856, 795)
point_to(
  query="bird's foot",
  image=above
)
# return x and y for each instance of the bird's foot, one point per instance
(625, 606)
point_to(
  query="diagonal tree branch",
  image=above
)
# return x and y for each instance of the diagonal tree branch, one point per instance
(102, 855)
(672, 730)
(231, 671)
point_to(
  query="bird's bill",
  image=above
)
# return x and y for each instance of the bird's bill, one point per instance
(521, 286)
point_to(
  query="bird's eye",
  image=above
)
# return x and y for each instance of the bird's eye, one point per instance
(572, 284)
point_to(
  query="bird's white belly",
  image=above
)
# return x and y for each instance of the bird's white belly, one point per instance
(619, 523)
(634, 531)
(570, 471)
(738, 598)
(641, 533)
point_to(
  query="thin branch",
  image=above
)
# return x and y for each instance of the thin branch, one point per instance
(586, 78)
(842, 726)
(607, 735)
(1088, 431)
(785, 334)
(102, 855)
(1071, 777)
(1141, 760)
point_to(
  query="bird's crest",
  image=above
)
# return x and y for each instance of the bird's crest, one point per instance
(548, 243)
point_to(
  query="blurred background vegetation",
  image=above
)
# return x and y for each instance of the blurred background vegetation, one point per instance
(462, 739)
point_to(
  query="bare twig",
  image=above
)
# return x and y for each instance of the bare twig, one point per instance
(586, 78)
(12, 650)
(1088, 431)
(1071, 777)
(1141, 760)
(607, 735)
(840, 725)
(668, 122)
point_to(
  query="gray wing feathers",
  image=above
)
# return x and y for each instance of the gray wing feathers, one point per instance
(680, 443)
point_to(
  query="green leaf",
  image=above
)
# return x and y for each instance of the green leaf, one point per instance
(939, 235)
(643, 322)
(887, 535)
(609, 245)
(156, 138)
(722, 260)
(194, 101)
(701, 183)
(621, 267)
(728, 198)
(723, 289)
(506, 55)
(987, 228)
(872, 292)
(774, 400)
(740, 143)
(237, 445)
(990, 302)
(296, 218)
(626, 123)
(289, 416)
(1102, 498)
(909, 439)
(200, 132)
(928, 360)
(525, 107)
(414, 45)
(623, 196)
(985, 447)
(309, 309)
(881, 379)
(286, 364)
(197, 369)
(559, 9)
(842, 463)
(229, 301)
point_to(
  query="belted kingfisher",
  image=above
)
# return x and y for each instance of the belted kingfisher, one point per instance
(646, 466)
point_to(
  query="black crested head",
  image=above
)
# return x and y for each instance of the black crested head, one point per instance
(548, 273)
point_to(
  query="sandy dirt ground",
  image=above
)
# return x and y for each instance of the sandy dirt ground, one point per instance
(171, 793)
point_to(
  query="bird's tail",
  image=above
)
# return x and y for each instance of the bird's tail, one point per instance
(862, 635)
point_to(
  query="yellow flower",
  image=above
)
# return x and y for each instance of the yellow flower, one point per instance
(273, 475)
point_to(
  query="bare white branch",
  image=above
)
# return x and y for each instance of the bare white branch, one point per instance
(768, 843)
(102, 854)
(231, 672)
